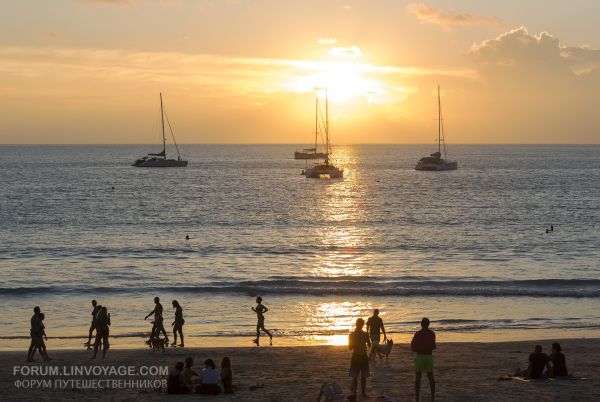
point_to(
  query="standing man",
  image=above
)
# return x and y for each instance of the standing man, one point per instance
(96, 308)
(423, 344)
(375, 328)
(157, 325)
(358, 341)
(260, 310)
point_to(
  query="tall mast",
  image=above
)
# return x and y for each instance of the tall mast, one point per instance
(162, 119)
(439, 120)
(327, 122)
(316, 121)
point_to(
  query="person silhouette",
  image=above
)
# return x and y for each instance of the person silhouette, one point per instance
(178, 323)
(423, 344)
(358, 342)
(374, 328)
(157, 324)
(95, 310)
(102, 331)
(260, 310)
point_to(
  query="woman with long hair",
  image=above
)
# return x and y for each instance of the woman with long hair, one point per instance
(178, 323)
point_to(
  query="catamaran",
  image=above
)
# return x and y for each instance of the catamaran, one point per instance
(325, 169)
(435, 162)
(160, 159)
(311, 153)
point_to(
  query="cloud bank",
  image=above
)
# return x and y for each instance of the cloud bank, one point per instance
(431, 15)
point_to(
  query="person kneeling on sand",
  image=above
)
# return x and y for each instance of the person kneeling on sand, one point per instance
(537, 362)
(358, 342)
(423, 344)
(189, 378)
(209, 379)
(174, 384)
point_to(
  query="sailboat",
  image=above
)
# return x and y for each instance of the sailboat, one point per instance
(160, 159)
(325, 169)
(435, 162)
(311, 153)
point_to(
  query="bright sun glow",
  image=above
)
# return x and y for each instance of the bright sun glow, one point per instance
(343, 81)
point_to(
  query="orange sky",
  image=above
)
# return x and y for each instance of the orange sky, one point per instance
(247, 71)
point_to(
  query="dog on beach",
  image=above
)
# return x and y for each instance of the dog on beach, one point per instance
(384, 349)
(156, 344)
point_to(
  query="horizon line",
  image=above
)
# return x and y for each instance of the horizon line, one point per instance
(290, 143)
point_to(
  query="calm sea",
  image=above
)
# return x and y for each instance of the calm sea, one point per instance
(467, 248)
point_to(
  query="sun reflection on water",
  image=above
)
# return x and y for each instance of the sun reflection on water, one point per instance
(330, 323)
(342, 211)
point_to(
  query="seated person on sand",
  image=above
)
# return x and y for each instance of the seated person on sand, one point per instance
(189, 378)
(226, 376)
(174, 384)
(209, 379)
(331, 391)
(537, 362)
(559, 362)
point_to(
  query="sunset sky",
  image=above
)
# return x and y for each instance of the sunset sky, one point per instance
(247, 71)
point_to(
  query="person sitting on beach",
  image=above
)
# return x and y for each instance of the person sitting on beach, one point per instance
(157, 324)
(559, 362)
(189, 378)
(375, 328)
(330, 392)
(95, 309)
(174, 384)
(209, 379)
(358, 341)
(537, 362)
(102, 332)
(227, 375)
(260, 310)
(178, 323)
(423, 344)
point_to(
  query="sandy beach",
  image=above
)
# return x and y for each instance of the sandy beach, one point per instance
(464, 372)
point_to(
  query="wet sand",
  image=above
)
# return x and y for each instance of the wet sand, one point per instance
(464, 372)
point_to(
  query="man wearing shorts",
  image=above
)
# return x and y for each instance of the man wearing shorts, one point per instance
(423, 344)
(358, 341)
(375, 328)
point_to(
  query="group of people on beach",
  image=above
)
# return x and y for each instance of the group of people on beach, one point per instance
(101, 325)
(364, 346)
(361, 343)
(158, 326)
(184, 380)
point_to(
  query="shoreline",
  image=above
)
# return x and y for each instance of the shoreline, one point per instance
(463, 370)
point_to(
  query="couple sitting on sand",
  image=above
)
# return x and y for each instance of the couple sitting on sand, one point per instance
(555, 364)
(184, 379)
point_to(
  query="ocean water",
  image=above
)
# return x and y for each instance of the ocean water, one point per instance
(466, 248)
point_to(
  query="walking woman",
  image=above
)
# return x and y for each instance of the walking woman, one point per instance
(178, 323)
(102, 331)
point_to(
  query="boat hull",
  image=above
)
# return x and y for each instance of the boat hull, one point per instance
(437, 167)
(160, 163)
(324, 171)
(309, 155)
